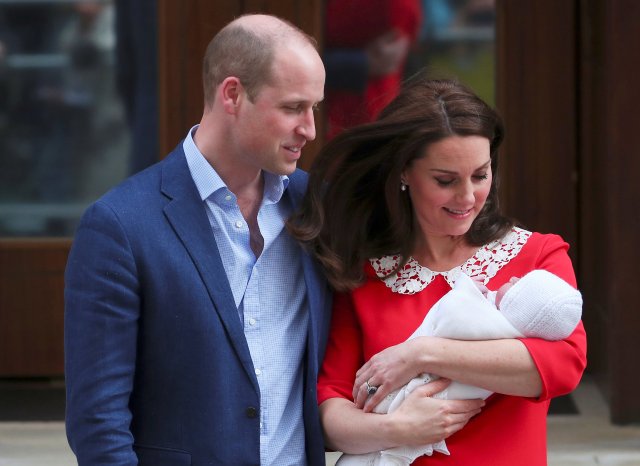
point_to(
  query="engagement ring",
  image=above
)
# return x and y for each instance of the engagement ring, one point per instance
(371, 389)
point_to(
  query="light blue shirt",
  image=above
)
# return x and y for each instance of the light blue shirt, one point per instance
(270, 295)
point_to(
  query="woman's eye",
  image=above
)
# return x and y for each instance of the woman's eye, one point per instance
(481, 177)
(444, 181)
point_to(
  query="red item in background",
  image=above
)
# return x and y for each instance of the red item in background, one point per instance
(354, 24)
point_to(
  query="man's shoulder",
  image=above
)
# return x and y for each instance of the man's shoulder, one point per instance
(145, 184)
(299, 176)
(137, 186)
(298, 183)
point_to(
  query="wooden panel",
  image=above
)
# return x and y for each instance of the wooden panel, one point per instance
(284, 9)
(536, 94)
(185, 30)
(609, 161)
(254, 6)
(31, 307)
(593, 270)
(621, 160)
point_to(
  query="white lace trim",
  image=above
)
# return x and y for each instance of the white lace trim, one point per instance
(484, 265)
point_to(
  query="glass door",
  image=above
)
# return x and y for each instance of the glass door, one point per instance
(78, 113)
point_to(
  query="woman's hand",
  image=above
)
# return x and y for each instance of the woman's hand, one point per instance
(389, 369)
(421, 420)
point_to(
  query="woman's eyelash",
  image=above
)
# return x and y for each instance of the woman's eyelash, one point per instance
(442, 182)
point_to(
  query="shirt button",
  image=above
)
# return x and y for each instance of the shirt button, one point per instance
(252, 321)
(238, 224)
(251, 412)
(258, 371)
(227, 197)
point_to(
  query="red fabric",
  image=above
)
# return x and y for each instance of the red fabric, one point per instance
(509, 430)
(353, 24)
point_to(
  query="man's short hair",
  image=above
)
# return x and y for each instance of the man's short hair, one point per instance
(247, 55)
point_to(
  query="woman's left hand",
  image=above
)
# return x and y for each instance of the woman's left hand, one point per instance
(389, 369)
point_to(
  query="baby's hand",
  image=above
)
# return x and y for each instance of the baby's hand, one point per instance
(481, 286)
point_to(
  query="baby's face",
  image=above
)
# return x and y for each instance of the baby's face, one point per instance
(504, 288)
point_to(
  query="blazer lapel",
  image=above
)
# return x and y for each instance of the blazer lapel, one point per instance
(187, 215)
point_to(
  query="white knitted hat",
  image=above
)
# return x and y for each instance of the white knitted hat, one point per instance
(542, 305)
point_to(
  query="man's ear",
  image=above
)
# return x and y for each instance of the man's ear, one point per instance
(231, 94)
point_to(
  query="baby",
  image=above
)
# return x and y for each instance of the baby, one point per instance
(538, 305)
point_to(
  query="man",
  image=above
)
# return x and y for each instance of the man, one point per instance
(194, 324)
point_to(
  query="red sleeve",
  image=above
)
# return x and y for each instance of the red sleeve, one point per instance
(560, 363)
(344, 352)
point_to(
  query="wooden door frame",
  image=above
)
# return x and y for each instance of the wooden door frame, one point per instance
(31, 306)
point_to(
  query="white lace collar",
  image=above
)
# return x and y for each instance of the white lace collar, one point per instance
(484, 264)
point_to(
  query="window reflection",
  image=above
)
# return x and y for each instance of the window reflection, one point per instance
(371, 45)
(64, 135)
(457, 39)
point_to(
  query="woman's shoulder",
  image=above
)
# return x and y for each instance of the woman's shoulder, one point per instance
(545, 241)
(547, 251)
(518, 239)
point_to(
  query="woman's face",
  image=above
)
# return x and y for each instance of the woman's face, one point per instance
(449, 184)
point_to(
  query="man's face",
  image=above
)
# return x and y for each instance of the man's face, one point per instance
(274, 127)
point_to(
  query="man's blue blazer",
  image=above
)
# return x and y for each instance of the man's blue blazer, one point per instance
(158, 370)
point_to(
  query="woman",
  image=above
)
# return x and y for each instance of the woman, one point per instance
(395, 210)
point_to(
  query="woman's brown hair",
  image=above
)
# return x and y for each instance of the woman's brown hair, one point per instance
(354, 209)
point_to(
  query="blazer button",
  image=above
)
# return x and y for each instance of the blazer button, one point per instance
(251, 412)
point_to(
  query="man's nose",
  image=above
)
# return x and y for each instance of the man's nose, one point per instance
(307, 126)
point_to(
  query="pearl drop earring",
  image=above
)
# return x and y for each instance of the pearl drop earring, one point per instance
(403, 187)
